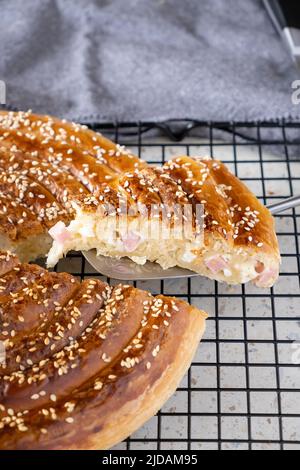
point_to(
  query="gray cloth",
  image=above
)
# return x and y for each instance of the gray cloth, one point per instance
(145, 60)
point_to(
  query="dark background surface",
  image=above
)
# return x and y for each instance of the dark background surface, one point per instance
(145, 60)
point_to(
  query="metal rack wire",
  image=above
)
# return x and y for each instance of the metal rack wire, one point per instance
(243, 388)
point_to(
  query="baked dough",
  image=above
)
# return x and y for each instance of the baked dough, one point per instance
(59, 174)
(86, 364)
(45, 164)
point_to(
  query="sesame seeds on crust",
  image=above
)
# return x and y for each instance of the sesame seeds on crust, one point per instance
(47, 166)
(35, 392)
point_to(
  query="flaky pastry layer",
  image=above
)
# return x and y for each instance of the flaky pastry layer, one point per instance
(53, 172)
(86, 364)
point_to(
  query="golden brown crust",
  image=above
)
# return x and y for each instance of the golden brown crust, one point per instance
(68, 161)
(46, 163)
(50, 168)
(16, 220)
(232, 210)
(8, 261)
(86, 364)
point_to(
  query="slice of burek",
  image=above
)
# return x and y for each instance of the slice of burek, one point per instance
(230, 236)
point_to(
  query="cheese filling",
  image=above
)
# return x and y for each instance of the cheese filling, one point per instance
(141, 242)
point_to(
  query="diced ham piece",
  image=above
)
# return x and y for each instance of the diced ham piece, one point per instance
(130, 241)
(267, 277)
(216, 263)
(59, 233)
(259, 267)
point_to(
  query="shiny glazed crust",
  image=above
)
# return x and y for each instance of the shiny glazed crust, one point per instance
(51, 169)
(86, 364)
(45, 164)
(233, 211)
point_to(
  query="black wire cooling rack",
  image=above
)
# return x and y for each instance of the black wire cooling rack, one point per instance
(243, 388)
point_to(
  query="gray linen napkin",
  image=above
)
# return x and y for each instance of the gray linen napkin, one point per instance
(145, 60)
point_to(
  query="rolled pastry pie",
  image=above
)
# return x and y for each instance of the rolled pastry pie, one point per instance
(62, 176)
(86, 364)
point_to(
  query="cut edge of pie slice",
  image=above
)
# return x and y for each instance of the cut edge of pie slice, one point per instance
(238, 242)
(86, 364)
